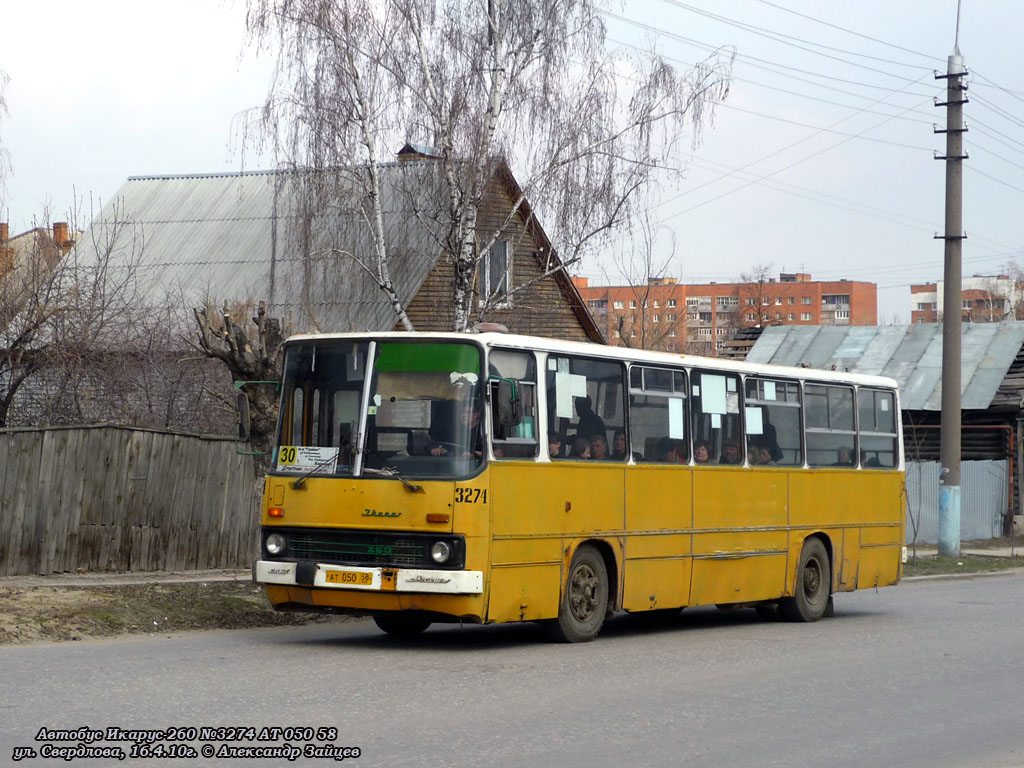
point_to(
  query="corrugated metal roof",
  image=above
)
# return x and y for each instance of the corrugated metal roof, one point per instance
(242, 235)
(911, 354)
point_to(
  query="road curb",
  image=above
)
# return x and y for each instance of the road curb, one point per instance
(102, 580)
(952, 576)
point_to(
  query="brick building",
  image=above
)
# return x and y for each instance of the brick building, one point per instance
(984, 299)
(667, 315)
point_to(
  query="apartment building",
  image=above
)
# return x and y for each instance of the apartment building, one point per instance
(699, 318)
(983, 299)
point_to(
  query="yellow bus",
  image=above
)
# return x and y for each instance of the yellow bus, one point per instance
(489, 477)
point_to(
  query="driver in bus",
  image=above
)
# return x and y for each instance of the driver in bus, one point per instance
(469, 426)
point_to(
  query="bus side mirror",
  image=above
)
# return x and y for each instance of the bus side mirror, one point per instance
(244, 420)
(510, 410)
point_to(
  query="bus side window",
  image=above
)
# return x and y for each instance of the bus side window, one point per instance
(517, 441)
(657, 415)
(715, 407)
(586, 405)
(879, 446)
(831, 438)
(772, 410)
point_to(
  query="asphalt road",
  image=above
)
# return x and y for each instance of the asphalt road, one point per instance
(924, 674)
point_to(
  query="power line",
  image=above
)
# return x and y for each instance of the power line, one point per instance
(780, 170)
(781, 37)
(821, 129)
(850, 31)
(750, 58)
(793, 93)
(995, 179)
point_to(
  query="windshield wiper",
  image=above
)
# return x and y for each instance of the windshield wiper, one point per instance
(393, 472)
(297, 485)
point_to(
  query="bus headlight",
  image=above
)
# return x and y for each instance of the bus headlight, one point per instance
(276, 544)
(440, 552)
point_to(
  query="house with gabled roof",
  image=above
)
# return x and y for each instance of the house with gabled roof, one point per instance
(274, 235)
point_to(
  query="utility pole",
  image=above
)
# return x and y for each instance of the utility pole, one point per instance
(949, 478)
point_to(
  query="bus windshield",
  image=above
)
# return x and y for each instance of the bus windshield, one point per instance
(421, 414)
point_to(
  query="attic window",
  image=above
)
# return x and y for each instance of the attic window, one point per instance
(496, 271)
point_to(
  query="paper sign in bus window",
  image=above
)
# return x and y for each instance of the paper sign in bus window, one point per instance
(675, 418)
(713, 400)
(563, 395)
(754, 423)
(769, 390)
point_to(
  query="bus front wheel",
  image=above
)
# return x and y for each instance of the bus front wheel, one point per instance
(813, 584)
(404, 624)
(584, 602)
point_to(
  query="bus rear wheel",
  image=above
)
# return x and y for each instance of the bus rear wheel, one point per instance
(813, 584)
(405, 624)
(584, 602)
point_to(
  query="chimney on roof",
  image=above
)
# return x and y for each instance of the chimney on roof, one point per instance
(581, 282)
(6, 252)
(61, 236)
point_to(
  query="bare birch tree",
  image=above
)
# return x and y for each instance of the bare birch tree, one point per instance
(527, 83)
(643, 266)
(754, 294)
(58, 315)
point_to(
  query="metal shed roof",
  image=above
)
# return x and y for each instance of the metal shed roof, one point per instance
(245, 235)
(911, 354)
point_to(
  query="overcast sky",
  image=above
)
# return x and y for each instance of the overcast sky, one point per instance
(820, 160)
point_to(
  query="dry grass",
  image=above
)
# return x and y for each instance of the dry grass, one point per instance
(30, 614)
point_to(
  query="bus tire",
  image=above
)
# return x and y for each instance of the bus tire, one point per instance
(584, 602)
(402, 624)
(813, 584)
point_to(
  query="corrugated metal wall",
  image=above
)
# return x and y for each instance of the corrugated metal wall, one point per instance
(983, 499)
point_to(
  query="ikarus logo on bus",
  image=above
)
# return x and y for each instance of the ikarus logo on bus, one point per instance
(377, 513)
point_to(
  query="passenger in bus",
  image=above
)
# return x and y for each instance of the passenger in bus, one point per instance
(844, 457)
(866, 462)
(666, 451)
(682, 454)
(619, 445)
(554, 445)
(731, 454)
(753, 454)
(598, 448)
(766, 455)
(580, 448)
(590, 424)
(701, 452)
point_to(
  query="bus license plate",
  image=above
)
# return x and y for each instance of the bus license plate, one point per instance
(357, 578)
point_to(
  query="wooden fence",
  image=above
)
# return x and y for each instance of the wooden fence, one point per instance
(109, 498)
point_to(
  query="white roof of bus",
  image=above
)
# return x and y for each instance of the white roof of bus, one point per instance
(492, 339)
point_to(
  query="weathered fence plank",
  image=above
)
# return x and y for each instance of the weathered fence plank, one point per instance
(114, 498)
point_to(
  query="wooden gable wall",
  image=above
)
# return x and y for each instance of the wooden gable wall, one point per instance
(542, 309)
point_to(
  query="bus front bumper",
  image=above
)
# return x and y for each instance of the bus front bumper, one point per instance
(330, 576)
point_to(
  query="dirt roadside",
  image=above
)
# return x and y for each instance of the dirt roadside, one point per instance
(40, 609)
(76, 606)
